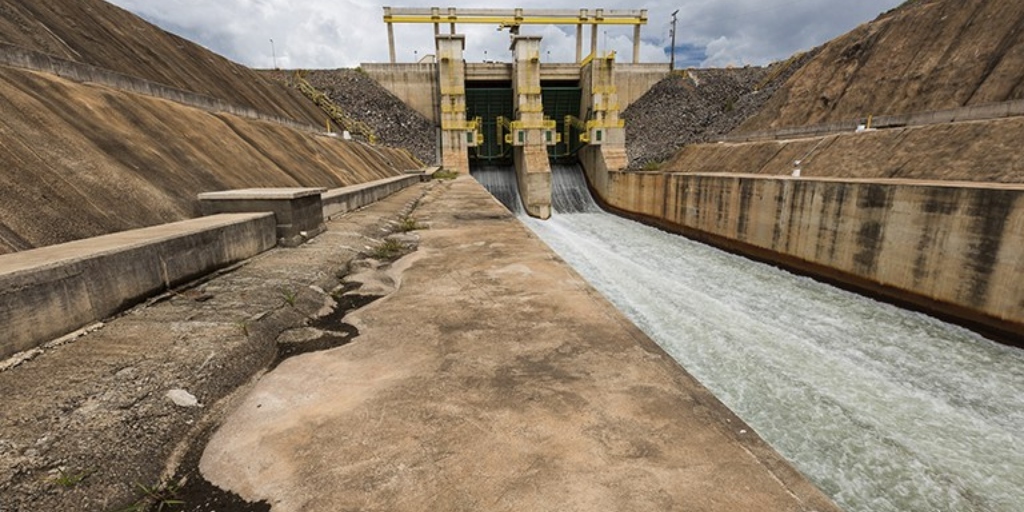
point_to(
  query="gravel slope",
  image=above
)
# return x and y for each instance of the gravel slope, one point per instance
(696, 105)
(362, 98)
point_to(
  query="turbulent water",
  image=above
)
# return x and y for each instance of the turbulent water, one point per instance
(883, 408)
(501, 183)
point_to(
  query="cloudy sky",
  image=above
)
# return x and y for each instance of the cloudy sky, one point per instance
(345, 33)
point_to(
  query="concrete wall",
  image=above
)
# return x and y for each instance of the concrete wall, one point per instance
(414, 84)
(950, 248)
(341, 200)
(634, 80)
(48, 292)
(78, 72)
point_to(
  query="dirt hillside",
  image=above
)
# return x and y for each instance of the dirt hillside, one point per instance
(100, 34)
(980, 151)
(118, 161)
(923, 55)
(83, 159)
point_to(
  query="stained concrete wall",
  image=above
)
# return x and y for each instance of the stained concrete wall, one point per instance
(340, 200)
(414, 84)
(634, 80)
(950, 248)
(48, 292)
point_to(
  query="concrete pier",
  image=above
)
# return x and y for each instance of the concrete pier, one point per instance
(494, 378)
(531, 133)
(452, 80)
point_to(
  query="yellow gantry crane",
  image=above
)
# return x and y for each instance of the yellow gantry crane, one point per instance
(514, 18)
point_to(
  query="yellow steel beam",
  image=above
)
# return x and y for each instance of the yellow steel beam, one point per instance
(515, 17)
(512, 21)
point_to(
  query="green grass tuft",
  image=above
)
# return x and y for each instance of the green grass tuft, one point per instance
(388, 250)
(156, 498)
(445, 174)
(69, 479)
(408, 224)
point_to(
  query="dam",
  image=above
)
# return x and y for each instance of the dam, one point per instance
(531, 114)
(884, 408)
(312, 313)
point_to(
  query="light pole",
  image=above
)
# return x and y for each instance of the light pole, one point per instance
(273, 53)
(672, 63)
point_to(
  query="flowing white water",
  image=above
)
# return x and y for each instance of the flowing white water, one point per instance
(883, 408)
(501, 183)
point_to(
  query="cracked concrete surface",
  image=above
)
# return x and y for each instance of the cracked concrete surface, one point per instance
(97, 405)
(493, 378)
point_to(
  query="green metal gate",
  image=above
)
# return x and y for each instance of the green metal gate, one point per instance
(489, 103)
(558, 103)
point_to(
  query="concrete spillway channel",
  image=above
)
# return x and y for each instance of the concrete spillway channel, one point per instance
(493, 378)
(883, 408)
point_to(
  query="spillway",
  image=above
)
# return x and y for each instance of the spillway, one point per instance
(500, 181)
(883, 408)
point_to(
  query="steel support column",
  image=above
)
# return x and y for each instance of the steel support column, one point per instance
(636, 44)
(579, 43)
(391, 42)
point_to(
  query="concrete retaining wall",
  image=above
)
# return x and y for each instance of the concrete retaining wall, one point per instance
(340, 200)
(634, 80)
(48, 292)
(21, 58)
(414, 84)
(950, 248)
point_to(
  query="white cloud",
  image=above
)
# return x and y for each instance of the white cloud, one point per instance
(345, 33)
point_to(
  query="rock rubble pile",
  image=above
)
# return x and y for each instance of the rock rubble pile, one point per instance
(363, 99)
(695, 105)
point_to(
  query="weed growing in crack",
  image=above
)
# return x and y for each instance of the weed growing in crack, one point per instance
(652, 166)
(156, 498)
(388, 250)
(408, 224)
(68, 479)
(289, 297)
(445, 174)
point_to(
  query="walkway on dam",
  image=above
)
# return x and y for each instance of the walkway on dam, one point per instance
(494, 378)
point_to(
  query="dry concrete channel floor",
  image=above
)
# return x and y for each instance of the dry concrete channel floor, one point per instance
(490, 376)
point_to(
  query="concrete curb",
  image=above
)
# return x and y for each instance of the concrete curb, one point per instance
(51, 291)
(100, 400)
